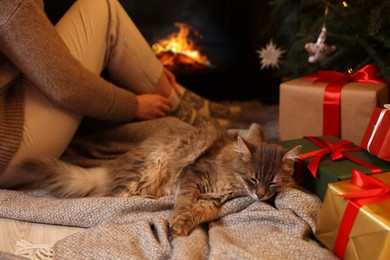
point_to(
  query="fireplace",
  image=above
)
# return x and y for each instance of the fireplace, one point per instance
(231, 32)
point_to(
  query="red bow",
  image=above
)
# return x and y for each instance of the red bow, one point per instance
(374, 191)
(338, 151)
(332, 95)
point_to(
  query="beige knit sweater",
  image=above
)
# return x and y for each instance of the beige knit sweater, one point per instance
(30, 46)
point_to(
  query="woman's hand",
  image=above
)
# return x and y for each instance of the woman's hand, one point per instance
(172, 80)
(152, 106)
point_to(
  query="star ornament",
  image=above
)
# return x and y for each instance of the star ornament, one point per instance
(319, 51)
(269, 56)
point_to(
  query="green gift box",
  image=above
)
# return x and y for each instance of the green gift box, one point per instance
(336, 163)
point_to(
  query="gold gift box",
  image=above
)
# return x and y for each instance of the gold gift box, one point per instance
(301, 108)
(370, 234)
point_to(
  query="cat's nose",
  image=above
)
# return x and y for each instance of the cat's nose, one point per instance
(263, 196)
(260, 195)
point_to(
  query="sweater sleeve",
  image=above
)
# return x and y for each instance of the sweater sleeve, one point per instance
(30, 41)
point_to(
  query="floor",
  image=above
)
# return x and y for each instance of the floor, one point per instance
(12, 231)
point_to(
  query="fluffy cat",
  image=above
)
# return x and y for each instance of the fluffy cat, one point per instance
(203, 167)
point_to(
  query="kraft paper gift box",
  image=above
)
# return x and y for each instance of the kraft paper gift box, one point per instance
(330, 170)
(301, 108)
(353, 228)
(376, 139)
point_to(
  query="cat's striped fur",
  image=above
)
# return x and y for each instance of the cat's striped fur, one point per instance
(202, 167)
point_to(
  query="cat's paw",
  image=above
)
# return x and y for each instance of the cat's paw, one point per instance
(179, 226)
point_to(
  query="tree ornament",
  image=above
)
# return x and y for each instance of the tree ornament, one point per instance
(270, 55)
(320, 50)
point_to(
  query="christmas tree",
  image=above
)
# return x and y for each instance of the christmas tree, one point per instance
(354, 33)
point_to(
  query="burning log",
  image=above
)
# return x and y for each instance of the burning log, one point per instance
(178, 51)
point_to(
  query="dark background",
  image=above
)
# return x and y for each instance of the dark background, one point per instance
(232, 32)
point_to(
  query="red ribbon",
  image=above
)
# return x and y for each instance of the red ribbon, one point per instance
(374, 191)
(337, 150)
(332, 96)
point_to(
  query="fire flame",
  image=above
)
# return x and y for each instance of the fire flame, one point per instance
(177, 50)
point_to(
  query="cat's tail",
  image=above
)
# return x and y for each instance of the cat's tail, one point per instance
(66, 180)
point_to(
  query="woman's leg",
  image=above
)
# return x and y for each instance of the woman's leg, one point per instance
(47, 131)
(102, 33)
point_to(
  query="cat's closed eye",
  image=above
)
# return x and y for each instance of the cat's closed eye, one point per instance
(252, 181)
(273, 187)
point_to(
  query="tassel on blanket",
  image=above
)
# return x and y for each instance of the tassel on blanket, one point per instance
(34, 251)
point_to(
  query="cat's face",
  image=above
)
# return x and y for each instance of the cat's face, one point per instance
(268, 167)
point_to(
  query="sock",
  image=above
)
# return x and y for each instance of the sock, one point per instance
(208, 108)
(174, 100)
(188, 114)
(184, 112)
(196, 110)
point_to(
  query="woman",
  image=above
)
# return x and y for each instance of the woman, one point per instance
(49, 78)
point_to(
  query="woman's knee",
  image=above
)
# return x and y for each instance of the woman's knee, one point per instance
(84, 30)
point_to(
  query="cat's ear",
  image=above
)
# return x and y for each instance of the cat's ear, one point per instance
(242, 147)
(255, 134)
(293, 153)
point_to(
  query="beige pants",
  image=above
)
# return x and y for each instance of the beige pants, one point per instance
(100, 35)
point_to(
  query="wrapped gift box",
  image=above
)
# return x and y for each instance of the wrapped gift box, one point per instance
(301, 108)
(330, 170)
(376, 139)
(365, 233)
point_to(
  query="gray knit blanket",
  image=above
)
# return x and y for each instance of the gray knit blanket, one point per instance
(137, 228)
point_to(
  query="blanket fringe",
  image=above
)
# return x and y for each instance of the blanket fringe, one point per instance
(34, 251)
